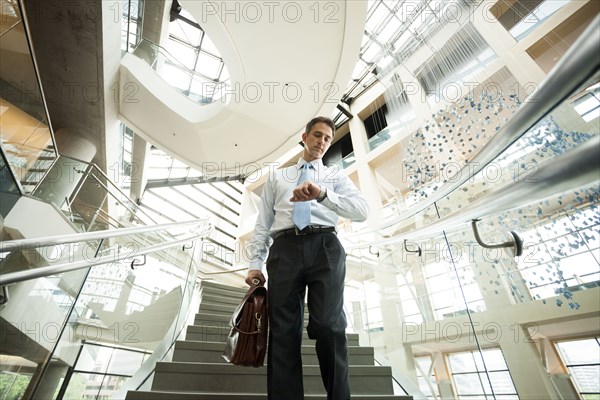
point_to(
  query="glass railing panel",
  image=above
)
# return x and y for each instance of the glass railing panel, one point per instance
(88, 198)
(346, 161)
(458, 300)
(11, 16)
(562, 130)
(111, 367)
(424, 218)
(101, 204)
(101, 325)
(424, 160)
(32, 321)
(482, 316)
(26, 137)
(527, 299)
(125, 248)
(27, 143)
(560, 248)
(398, 301)
(61, 182)
(9, 189)
(192, 84)
(381, 137)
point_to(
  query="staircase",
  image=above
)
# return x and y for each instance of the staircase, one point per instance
(198, 372)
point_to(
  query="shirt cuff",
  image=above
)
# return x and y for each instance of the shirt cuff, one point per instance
(255, 266)
(330, 200)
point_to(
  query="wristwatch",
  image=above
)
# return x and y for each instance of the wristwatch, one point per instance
(322, 194)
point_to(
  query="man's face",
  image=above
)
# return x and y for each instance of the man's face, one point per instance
(317, 141)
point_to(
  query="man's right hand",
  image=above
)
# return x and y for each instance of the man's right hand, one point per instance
(255, 274)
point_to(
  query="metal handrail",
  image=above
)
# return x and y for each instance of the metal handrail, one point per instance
(40, 272)
(36, 68)
(94, 166)
(570, 170)
(32, 243)
(576, 67)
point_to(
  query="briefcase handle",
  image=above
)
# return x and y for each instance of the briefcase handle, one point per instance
(257, 286)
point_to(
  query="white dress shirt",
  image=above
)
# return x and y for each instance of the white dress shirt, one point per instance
(275, 211)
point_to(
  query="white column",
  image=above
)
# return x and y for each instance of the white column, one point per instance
(517, 60)
(400, 355)
(366, 177)
(531, 380)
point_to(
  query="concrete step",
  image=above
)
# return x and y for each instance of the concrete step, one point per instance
(226, 378)
(210, 317)
(205, 318)
(216, 308)
(207, 333)
(216, 299)
(218, 333)
(215, 285)
(163, 395)
(211, 352)
(223, 290)
(210, 307)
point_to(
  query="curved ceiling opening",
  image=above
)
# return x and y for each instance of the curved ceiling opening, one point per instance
(193, 50)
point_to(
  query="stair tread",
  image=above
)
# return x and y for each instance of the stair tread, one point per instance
(163, 394)
(219, 287)
(304, 334)
(215, 368)
(200, 344)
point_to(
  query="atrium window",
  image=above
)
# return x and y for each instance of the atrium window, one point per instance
(338, 151)
(582, 359)
(521, 17)
(121, 173)
(410, 303)
(376, 122)
(372, 317)
(588, 105)
(131, 32)
(562, 255)
(393, 31)
(447, 293)
(426, 377)
(196, 66)
(176, 192)
(481, 375)
(459, 60)
(400, 109)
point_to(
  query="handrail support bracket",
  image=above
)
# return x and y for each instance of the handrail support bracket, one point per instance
(516, 243)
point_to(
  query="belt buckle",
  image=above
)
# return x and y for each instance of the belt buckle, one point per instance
(299, 232)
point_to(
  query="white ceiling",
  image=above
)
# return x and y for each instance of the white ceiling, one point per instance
(288, 62)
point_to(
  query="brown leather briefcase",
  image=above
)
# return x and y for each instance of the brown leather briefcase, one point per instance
(247, 341)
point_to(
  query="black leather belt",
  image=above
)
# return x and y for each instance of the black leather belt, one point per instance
(309, 230)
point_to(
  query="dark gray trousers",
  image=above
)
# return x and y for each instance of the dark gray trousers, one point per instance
(295, 263)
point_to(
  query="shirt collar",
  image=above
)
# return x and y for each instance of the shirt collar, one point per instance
(317, 164)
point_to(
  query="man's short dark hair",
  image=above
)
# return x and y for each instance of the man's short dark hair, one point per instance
(325, 120)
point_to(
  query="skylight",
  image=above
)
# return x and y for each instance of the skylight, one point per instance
(190, 46)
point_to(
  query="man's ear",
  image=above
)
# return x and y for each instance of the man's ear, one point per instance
(303, 139)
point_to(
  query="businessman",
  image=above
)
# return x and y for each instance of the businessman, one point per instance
(296, 228)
